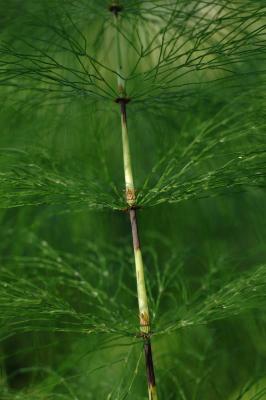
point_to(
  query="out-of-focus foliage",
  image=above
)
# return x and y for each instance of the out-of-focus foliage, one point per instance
(195, 75)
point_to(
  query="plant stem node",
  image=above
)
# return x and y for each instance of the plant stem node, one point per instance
(133, 207)
(115, 8)
(143, 335)
(122, 100)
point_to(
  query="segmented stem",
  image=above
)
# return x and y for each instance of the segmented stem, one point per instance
(131, 198)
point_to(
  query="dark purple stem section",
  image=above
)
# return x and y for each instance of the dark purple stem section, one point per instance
(149, 363)
(134, 228)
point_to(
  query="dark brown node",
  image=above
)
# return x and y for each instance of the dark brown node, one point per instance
(123, 105)
(122, 100)
(143, 335)
(115, 8)
(127, 209)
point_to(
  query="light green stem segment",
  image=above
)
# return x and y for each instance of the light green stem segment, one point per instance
(153, 393)
(129, 181)
(119, 67)
(141, 288)
(142, 294)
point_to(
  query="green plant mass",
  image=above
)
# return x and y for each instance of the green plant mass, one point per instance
(132, 197)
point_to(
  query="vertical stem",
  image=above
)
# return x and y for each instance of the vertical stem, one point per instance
(144, 318)
(143, 306)
(130, 198)
(129, 182)
(120, 80)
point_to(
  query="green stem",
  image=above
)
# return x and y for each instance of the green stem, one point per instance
(144, 317)
(129, 181)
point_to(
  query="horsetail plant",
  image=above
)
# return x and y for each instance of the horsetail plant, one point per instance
(186, 78)
(144, 316)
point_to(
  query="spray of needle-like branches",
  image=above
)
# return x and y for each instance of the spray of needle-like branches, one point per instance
(173, 50)
(50, 291)
(58, 292)
(176, 49)
(225, 155)
(30, 182)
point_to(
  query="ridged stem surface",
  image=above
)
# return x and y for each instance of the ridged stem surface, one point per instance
(130, 195)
